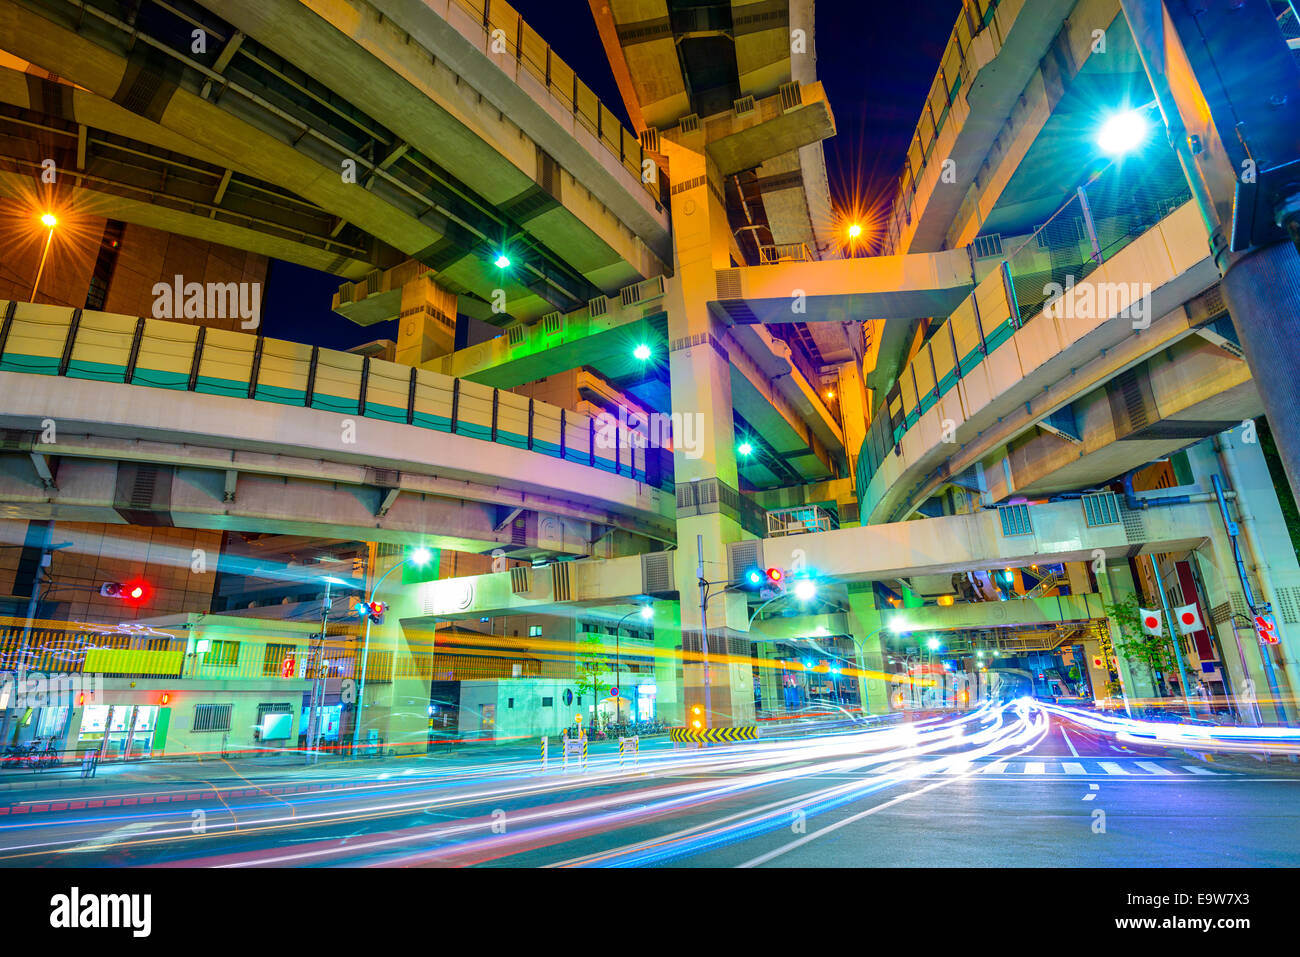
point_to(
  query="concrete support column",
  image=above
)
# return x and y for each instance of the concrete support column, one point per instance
(1097, 677)
(426, 326)
(704, 458)
(1241, 651)
(396, 695)
(867, 625)
(851, 395)
(1266, 547)
(1117, 584)
(668, 662)
(1076, 576)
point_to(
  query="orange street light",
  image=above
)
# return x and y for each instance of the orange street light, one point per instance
(49, 221)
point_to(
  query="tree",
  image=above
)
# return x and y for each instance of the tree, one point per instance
(592, 666)
(1154, 652)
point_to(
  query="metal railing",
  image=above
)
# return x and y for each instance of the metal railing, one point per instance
(1115, 206)
(506, 33)
(773, 253)
(953, 75)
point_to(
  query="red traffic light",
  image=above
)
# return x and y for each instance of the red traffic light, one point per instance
(774, 575)
(136, 591)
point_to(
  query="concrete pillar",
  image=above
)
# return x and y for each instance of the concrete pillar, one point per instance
(1266, 547)
(396, 695)
(668, 662)
(1097, 677)
(1219, 575)
(851, 395)
(704, 446)
(1117, 584)
(865, 619)
(1077, 577)
(426, 326)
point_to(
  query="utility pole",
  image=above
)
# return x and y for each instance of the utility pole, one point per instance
(704, 631)
(317, 685)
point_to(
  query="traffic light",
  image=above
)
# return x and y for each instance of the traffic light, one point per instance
(373, 610)
(136, 591)
(763, 579)
(697, 717)
(1266, 629)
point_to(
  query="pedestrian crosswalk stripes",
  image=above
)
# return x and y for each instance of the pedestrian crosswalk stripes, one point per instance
(1153, 767)
(1083, 767)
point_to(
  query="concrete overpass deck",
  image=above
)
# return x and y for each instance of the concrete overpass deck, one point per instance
(1052, 532)
(103, 386)
(987, 377)
(471, 154)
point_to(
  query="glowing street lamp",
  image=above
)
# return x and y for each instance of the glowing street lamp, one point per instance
(745, 449)
(502, 261)
(805, 590)
(49, 221)
(855, 231)
(641, 352)
(1123, 132)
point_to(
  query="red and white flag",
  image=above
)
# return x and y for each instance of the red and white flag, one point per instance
(1151, 621)
(1188, 618)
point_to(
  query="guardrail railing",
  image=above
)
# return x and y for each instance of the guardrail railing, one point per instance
(107, 347)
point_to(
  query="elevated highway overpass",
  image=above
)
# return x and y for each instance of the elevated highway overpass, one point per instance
(473, 153)
(227, 430)
(1052, 532)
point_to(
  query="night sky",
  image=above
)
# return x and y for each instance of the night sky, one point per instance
(876, 60)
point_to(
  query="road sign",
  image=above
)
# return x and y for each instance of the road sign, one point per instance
(742, 733)
(1266, 629)
(288, 667)
(613, 692)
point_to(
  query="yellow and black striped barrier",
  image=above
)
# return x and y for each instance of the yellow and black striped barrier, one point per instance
(747, 732)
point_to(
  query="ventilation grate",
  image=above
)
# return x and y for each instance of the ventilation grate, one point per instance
(689, 124)
(560, 587)
(657, 573)
(1101, 509)
(1135, 525)
(1015, 520)
(597, 307)
(521, 580)
(729, 284)
(742, 556)
(1288, 601)
(791, 96)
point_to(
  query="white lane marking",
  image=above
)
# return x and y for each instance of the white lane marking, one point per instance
(1035, 767)
(1153, 767)
(1197, 770)
(1110, 767)
(1069, 743)
(997, 767)
(1094, 787)
(1090, 796)
(1073, 768)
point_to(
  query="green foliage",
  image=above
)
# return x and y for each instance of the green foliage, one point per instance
(592, 665)
(1154, 652)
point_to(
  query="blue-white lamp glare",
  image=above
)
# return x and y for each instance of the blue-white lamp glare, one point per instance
(1123, 132)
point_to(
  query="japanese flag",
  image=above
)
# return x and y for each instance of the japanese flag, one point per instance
(1188, 618)
(1151, 621)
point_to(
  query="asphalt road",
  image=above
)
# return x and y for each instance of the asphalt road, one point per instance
(986, 789)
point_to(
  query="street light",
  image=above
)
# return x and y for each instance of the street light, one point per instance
(745, 449)
(419, 557)
(49, 221)
(502, 261)
(646, 612)
(1123, 132)
(641, 352)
